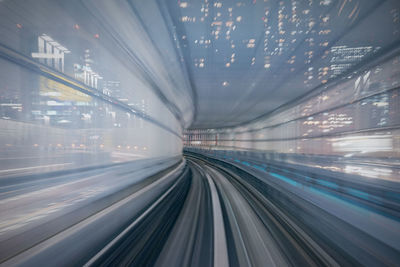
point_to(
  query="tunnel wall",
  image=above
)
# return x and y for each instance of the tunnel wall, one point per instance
(83, 84)
(354, 117)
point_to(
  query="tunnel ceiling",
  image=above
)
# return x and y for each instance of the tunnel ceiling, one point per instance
(247, 58)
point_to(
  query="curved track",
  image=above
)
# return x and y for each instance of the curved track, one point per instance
(207, 214)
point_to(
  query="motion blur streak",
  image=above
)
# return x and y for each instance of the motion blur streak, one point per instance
(199, 133)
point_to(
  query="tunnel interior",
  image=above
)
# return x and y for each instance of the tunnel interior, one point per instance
(199, 132)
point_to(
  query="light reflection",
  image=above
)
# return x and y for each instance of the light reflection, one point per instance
(363, 144)
(368, 171)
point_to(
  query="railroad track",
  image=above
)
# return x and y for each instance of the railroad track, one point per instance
(206, 214)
